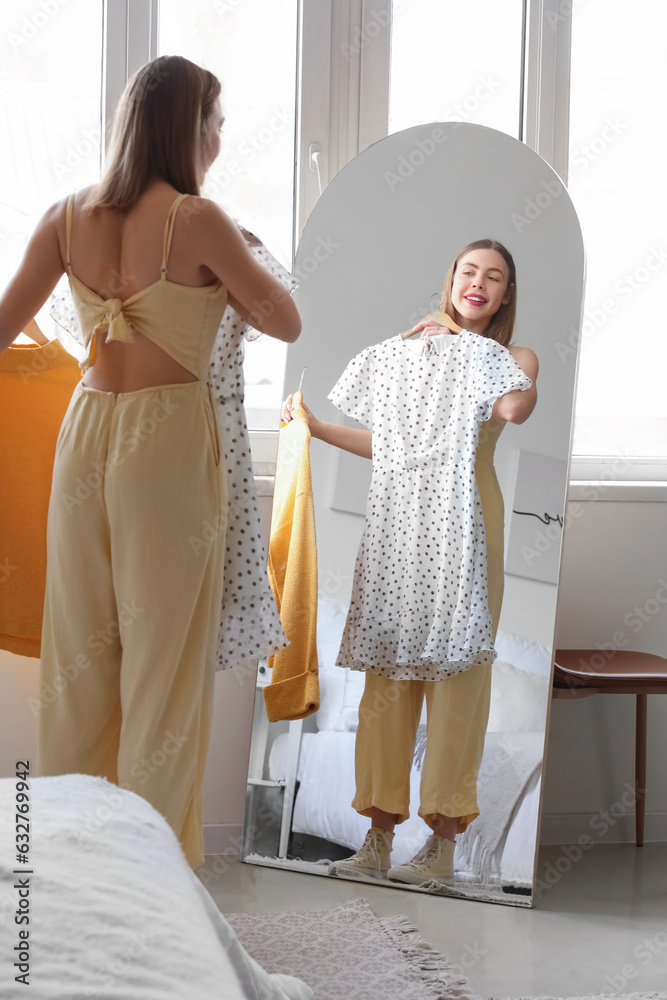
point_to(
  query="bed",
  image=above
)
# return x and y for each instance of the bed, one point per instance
(109, 905)
(499, 848)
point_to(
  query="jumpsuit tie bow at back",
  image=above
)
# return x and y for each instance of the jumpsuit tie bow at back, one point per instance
(114, 321)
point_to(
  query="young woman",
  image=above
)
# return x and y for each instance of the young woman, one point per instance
(416, 626)
(132, 594)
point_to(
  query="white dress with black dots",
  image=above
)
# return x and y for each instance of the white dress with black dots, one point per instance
(419, 607)
(249, 621)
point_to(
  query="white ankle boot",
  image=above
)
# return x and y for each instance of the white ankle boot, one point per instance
(372, 859)
(434, 861)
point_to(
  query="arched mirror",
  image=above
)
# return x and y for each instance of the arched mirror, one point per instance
(371, 262)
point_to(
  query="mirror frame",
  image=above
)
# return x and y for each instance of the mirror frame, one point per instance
(418, 196)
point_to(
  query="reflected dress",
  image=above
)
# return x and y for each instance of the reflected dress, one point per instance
(419, 607)
(408, 607)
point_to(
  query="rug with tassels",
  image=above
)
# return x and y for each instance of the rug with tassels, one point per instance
(349, 954)
(596, 996)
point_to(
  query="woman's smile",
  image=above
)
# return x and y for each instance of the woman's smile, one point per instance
(479, 289)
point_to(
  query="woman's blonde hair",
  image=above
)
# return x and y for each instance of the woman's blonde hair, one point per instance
(501, 326)
(158, 129)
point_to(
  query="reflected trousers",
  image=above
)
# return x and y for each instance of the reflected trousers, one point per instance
(135, 558)
(457, 712)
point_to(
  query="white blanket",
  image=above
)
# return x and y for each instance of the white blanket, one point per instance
(114, 909)
(323, 809)
(510, 760)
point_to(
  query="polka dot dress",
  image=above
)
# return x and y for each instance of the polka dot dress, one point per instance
(249, 621)
(419, 607)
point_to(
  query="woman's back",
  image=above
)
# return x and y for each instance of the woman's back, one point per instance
(138, 277)
(117, 255)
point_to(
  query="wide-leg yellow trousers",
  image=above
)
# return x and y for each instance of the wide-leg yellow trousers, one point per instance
(135, 557)
(457, 708)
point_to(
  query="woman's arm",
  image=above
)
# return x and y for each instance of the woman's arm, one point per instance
(254, 293)
(37, 276)
(517, 406)
(353, 439)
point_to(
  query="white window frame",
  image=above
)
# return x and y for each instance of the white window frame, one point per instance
(342, 89)
(546, 81)
(343, 71)
(130, 37)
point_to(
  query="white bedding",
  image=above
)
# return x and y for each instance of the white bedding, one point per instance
(322, 806)
(115, 910)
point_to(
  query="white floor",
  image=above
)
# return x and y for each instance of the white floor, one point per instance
(599, 924)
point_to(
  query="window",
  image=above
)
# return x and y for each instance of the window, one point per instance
(453, 62)
(365, 70)
(251, 47)
(616, 182)
(50, 100)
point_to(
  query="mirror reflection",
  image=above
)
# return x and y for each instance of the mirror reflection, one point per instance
(433, 701)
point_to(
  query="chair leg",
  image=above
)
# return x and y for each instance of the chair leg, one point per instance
(640, 768)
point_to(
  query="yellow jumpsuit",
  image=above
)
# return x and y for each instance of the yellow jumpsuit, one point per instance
(135, 556)
(457, 707)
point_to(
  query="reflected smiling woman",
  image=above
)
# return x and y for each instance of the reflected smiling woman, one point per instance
(428, 581)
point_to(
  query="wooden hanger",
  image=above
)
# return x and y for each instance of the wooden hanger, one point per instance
(33, 331)
(439, 317)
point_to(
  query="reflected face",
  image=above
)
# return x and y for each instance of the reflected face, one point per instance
(211, 141)
(479, 288)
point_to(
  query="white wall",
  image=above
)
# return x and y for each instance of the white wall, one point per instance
(224, 783)
(615, 555)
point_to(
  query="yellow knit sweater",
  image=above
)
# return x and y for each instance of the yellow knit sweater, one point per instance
(294, 690)
(36, 384)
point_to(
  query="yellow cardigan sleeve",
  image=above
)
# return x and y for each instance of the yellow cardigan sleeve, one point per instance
(294, 689)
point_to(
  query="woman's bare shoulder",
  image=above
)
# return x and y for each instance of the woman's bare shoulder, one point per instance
(207, 213)
(523, 352)
(209, 227)
(526, 359)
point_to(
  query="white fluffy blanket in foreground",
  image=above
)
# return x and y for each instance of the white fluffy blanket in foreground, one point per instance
(114, 909)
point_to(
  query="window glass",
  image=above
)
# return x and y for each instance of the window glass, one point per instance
(251, 47)
(616, 179)
(50, 101)
(456, 62)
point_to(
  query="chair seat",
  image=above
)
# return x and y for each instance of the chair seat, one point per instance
(580, 673)
(620, 668)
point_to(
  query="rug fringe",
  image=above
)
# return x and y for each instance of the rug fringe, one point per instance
(597, 996)
(434, 969)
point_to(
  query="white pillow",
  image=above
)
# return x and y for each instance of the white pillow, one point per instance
(523, 653)
(340, 689)
(517, 705)
(331, 617)
(519, 700)
(348, 719)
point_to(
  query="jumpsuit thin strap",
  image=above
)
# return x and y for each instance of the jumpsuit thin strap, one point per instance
(168, 233)
(68, 231)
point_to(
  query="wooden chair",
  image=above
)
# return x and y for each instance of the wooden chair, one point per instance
(579, 673)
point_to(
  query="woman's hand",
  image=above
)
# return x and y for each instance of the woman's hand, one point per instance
(431, 329)
(435, 323)
(286, 413)
(356, 440)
